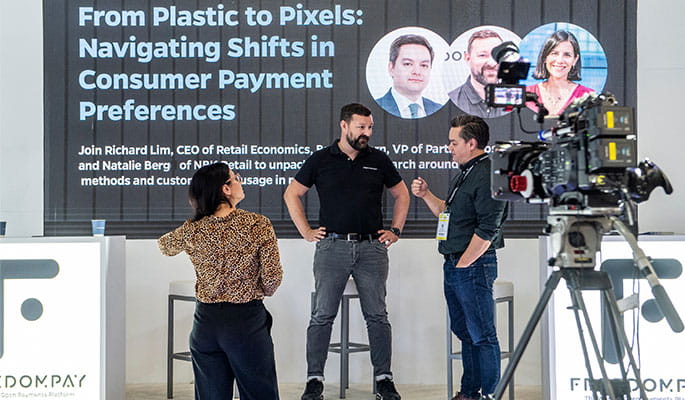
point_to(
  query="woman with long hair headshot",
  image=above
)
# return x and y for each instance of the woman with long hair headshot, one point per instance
(237, 263)
(559, 66)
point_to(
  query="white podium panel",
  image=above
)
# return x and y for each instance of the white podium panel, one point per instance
(659, 355)
(62, 326)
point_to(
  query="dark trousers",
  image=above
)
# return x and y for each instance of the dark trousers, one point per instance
(468, 292)
(233, 341)
(334, 262)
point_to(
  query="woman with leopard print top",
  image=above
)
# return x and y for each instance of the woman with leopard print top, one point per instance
(237, 263)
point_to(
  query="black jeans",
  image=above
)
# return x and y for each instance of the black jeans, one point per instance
(233, 341)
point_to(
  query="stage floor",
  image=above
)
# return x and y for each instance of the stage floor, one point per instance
(293, 391)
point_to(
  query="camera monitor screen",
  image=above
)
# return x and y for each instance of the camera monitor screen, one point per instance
(506, 95)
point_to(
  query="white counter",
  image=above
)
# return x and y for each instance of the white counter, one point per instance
(62, 323)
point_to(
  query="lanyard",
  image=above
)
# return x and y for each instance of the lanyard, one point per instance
(461, 178)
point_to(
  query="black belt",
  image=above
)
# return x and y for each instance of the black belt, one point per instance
(457, 256)
(353, 237)
(452, 256)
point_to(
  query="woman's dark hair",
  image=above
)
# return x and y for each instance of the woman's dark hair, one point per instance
(206, 189)
(552, 41)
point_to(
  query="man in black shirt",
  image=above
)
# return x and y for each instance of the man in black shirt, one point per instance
(469, 233)
(349, 176)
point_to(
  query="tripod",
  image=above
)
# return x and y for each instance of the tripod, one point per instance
(577, 280)
(576, 241)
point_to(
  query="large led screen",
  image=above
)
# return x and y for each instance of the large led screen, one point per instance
(139, 95)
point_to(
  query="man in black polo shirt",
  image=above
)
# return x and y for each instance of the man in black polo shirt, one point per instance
(349, 176)
(469, 232)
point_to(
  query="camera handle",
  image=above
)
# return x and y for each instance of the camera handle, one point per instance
(542, 111)
(644, 264)
(539, 117)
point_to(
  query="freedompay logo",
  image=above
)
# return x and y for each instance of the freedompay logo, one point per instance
(31, 309)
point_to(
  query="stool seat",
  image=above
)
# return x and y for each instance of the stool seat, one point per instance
(182, 288)
(502, 289)
(350, 288)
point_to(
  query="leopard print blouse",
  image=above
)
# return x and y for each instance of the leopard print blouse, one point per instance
(236, 257)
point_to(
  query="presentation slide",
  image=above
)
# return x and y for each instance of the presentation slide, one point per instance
(139, 95)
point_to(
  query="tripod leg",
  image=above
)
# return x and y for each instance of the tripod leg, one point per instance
(595, 347)
(620, 336)
(612, 328)
(550, 285)
(581, 335)
(579, 306)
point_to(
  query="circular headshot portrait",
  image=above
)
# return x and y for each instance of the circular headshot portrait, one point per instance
(404, 72)
(469, 67)
(566, 62)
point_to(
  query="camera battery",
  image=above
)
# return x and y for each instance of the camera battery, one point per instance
(609, 120)
(615, 154)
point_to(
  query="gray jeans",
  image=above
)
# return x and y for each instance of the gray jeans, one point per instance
(334, 261)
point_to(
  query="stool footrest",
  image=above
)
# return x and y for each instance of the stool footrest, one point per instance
(349, 344)
(185, 356)
(351, 347)
(457, 355)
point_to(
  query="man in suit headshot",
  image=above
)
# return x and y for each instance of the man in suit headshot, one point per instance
(411, 62)
(470, 97)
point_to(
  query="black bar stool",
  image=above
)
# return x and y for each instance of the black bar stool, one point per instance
(345, 347)
(179, 291)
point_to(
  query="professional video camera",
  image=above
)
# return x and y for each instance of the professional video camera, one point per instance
(587, 161)
(585, 167)
(585, 164)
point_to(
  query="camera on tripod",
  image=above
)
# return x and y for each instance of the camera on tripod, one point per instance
(586, 164)
(585, 167)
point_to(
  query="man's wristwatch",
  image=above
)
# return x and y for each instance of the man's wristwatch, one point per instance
(396, 231)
